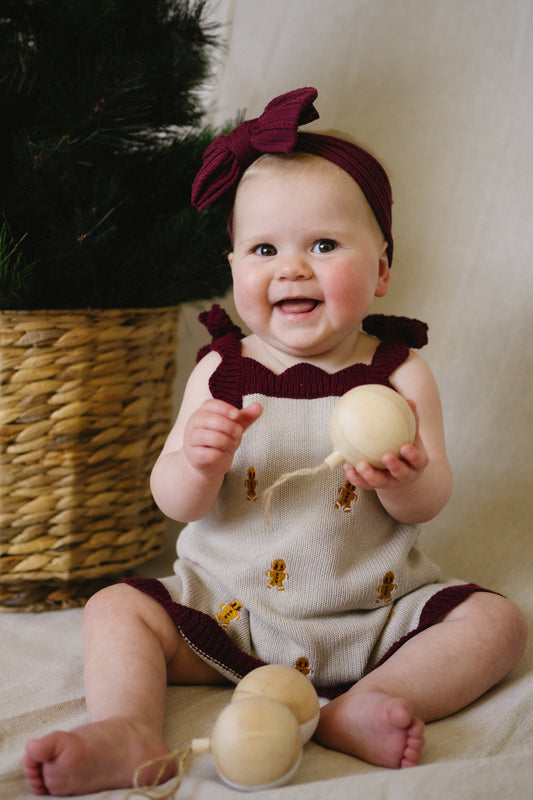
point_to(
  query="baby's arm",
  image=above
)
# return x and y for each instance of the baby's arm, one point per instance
(415, 487)
(188, 474)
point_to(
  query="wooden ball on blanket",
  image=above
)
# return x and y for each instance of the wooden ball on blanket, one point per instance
(288, 686)
(256, 744)
(367, 422)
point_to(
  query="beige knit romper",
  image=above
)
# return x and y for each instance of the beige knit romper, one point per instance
(334, 584)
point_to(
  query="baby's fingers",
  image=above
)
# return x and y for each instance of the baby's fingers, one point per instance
(412, 461)
(214, 425)
(220, 426)
(365, 476)
(249, 414)
(214, 437)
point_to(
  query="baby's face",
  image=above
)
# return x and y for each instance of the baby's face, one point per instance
(308, 257)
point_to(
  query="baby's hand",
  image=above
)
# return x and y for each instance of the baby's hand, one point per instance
(214, 432)
(397, 471)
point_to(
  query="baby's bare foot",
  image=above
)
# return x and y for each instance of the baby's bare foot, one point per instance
(374, 727)
(101, 755)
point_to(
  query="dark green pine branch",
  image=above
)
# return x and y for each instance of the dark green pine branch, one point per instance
(100, 138)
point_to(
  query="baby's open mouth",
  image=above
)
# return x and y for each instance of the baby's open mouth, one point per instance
(297, 305)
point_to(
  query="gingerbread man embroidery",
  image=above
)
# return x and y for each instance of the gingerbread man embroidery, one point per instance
(346, 496)
(228, 612)
(302, 665)
(251, 485)
(387, 588)
(277, 575)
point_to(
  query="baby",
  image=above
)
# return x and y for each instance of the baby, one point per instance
(336, 585)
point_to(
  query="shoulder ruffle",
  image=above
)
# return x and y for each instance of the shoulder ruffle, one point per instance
(226, 335)
(236, 376)
(411, 332)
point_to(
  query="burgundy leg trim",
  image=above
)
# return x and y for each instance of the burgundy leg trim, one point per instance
(206, 637)
(436, 607)
(201, 632)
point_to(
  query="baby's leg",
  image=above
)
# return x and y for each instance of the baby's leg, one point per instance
(131, 649)
(433, 675)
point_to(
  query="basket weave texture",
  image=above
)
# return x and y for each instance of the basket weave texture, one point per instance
(85, 406)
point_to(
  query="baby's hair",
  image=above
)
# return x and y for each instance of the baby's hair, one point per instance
(289, 163)
(269, 159)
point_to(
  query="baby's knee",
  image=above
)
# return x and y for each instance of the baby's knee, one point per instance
(109, 603)
(516, 626)
(505, 622)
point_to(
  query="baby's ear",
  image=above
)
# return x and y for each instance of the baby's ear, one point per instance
(384, 273)
(230, 259)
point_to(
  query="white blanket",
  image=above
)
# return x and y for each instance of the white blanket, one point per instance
(442, 93)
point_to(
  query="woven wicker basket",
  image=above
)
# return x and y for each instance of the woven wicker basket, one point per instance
(85, 406)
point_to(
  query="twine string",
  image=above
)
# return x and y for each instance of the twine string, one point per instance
(150, 792)
(299, 473)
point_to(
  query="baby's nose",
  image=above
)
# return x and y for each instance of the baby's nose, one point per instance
(294, 267)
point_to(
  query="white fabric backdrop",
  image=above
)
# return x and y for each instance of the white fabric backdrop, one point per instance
(441, 91)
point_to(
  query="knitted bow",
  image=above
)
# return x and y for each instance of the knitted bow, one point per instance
(275, 131)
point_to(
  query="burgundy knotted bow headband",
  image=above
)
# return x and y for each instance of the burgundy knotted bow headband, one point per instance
(276, 131)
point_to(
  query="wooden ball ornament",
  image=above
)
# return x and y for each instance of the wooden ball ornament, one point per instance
(287, 686)
(255, 744)
(367, 422)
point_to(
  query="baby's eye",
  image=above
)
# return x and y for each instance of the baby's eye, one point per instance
(324, 246)
(265, 250)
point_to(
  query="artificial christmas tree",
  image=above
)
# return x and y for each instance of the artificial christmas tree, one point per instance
(100, 138)
(99, 143)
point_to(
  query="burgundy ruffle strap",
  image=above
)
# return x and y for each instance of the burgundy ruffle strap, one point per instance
(226, 335)
(397, 335)
(275, 131)
(237, 376)
(411, 332)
